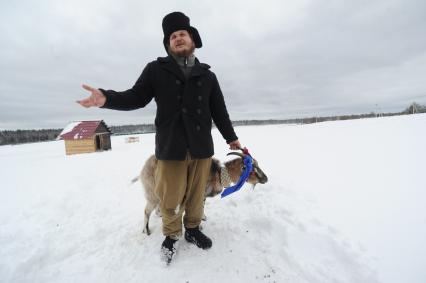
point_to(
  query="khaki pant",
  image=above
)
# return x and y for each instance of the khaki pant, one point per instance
(180, 186)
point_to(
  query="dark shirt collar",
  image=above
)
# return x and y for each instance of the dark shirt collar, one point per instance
(185, 61)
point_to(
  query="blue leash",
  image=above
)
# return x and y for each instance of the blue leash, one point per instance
(248, 162)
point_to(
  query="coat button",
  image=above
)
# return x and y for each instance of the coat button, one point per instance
(200, 98)
(179, 97)
(199, 111)
(198, 127)
(184, 110)
(199, 83)
(178, 82)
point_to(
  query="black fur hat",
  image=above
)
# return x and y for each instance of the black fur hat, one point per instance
(178, 21)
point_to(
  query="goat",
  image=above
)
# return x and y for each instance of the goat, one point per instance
(220, 177)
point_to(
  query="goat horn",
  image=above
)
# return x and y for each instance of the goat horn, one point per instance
(236, 153)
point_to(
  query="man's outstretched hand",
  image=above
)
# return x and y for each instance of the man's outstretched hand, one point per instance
(96, 98)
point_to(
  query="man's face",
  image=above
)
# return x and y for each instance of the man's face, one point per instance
(181, 43)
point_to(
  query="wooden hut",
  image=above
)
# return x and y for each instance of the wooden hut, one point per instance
(86, 136)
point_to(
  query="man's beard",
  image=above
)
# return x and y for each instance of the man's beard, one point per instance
(182, 53)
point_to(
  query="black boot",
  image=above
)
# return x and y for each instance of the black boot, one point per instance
(195, 236)
(168, 249)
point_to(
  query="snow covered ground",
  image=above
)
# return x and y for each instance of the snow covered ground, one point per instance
(345, 202)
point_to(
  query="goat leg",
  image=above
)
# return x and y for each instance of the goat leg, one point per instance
(204, 218)
(148, 210)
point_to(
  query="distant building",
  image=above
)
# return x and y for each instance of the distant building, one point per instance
(85, 137)
(132, 139)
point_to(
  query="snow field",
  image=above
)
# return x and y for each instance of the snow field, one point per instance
(344, 203)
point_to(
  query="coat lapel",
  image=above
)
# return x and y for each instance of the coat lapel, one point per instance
(199, 69)
(170, 65)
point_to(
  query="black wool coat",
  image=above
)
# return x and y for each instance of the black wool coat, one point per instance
(185, 108)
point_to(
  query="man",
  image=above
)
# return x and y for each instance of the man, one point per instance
(188, 97)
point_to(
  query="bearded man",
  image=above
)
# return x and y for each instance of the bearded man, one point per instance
(188, 98)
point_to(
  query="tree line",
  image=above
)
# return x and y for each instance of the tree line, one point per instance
(28, 136)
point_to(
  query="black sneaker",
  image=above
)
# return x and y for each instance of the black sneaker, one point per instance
(195, 236)
(168, 249)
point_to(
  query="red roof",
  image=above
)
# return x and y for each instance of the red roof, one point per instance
(81, 130)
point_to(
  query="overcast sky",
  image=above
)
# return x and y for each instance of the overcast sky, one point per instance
(273, 59)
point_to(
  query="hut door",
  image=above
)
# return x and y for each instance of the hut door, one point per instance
(98, 142)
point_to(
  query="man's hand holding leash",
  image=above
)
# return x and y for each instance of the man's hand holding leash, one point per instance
(234, 145)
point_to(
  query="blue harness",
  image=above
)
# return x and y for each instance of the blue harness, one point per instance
(248, 163)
